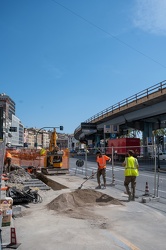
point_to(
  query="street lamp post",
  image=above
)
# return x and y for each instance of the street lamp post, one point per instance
(60, 127)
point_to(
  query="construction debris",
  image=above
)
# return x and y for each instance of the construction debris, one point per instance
(24, 195)
(19, 176)
(23, 187)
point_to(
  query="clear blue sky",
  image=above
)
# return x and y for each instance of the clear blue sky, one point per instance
(63, 61)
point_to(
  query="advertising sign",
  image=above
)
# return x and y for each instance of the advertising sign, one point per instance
(113, 135)
(111, 128)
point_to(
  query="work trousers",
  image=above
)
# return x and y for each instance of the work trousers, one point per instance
(132, 180)
(8, 162)
(103, 173)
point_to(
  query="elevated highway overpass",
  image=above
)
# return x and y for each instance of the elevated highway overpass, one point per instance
(145, 111)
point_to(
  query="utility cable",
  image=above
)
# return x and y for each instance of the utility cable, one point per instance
(108, 33)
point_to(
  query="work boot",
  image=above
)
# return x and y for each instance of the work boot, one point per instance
(133, 194)
(98, 187)
(133, 197)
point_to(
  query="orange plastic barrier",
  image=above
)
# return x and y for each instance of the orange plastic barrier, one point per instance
(5, 178)
(34, 157)
(4, 188)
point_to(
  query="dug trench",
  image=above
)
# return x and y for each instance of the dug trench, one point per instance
(80, 203)
(52, 184)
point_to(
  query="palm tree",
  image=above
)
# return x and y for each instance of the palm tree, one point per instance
(132, 133)
(159, 132)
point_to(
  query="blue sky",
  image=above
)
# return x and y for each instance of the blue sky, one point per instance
(63, 61)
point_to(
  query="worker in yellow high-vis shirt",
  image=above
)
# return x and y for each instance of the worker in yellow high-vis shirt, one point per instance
(131, 172)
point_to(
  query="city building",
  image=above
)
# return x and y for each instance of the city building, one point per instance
(72, 142)
(17, 137)
(33, 139)
(62, 141)
(11, 128)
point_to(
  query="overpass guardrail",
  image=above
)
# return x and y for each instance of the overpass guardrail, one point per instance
(159, 87)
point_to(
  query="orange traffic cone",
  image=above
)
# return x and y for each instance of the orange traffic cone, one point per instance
(13, 240)
(146, 189)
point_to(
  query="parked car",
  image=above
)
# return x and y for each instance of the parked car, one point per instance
(162, 156)
(72, 151)
(82, 152)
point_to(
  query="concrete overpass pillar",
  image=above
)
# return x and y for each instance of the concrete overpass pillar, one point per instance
(97, 140)
(147, 132)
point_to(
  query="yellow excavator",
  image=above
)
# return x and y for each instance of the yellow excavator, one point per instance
(54, 158)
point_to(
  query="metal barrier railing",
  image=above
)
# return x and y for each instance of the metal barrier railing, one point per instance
(150, 171)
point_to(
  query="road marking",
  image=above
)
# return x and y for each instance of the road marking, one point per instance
(161, 191)
(120, 241)
(115, 179)
(129, 244)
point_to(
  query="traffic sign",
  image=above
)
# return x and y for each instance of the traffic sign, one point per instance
(79, 163)
(113, 136)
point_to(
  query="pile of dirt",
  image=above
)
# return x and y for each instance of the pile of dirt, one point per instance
(19, 176)
(75, 204)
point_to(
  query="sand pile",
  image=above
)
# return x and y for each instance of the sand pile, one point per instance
(78, 202)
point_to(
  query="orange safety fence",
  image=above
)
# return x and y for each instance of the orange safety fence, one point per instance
(34, 157)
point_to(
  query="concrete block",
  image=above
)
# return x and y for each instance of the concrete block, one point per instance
(150, 199)
(145, 199)
(154, 199)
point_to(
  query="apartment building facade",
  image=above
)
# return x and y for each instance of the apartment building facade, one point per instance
(11, 128)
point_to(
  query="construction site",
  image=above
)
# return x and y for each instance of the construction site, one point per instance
(58, 214)
(45, 205)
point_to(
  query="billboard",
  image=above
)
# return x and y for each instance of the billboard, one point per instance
(111, 128)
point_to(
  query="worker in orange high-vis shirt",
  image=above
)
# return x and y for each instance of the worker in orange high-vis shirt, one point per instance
(101, 160)
(8, 160)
